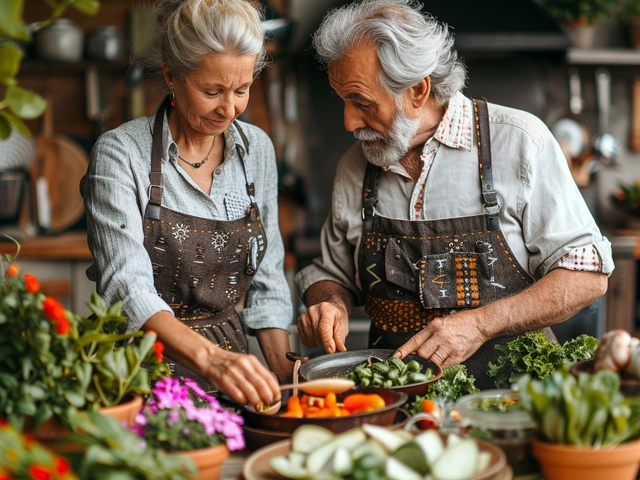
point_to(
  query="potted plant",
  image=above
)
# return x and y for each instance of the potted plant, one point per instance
(181, 417)
(627, 199)
(108, 451)
(587, 429)
(580, 17)
(55, 362)
(630, 16)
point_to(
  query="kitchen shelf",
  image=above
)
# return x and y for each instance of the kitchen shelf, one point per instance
(32, 66)
(603, 56)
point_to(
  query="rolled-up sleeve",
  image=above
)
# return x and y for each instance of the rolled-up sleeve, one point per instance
(340, 235)
(268, 302)
(115, 230)
(555, 217)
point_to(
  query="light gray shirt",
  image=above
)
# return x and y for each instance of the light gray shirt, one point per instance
(543, 215)
(115, 197)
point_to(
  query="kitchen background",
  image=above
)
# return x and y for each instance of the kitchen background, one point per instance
(91, 70)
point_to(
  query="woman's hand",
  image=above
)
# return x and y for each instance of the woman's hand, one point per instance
(242, 377)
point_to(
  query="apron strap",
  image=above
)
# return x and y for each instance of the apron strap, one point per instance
(155, 176)
(251, 188)
(369, 196)
(489, 195)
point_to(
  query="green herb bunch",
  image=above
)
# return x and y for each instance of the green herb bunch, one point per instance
(55, 362)
(532, 353)
(454, 383)
(587, 411)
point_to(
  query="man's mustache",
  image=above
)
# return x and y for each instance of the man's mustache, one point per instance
(367, 135)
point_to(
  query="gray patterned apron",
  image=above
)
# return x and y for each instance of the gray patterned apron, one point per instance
(202, 267)
(414, 271)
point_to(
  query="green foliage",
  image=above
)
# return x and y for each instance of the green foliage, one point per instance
(588, 411)
(19, 103)
(532, 353)
(110, 451)
(592, 11)
(55, 362)
(627, 197)
(630, 10)
(453, 384)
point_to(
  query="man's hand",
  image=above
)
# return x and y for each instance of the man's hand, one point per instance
(324, 324)
(242, 377)
(446, 340)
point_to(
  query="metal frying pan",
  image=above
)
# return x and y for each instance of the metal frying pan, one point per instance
(568, 127)
(341, 363)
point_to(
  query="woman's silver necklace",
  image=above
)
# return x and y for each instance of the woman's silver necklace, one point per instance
(199, 164)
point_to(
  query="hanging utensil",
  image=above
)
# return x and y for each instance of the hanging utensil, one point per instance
(605, 144)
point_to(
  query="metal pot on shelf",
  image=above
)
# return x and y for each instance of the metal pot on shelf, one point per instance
(105, 43)
(61, 41)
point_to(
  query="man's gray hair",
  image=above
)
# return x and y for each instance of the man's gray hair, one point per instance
(194, 28)
(410, 45)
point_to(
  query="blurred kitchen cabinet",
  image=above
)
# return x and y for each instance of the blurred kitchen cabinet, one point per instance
(59, 263)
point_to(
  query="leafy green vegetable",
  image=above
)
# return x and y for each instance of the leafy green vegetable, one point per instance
(453, 384)
(532, 353)
(587, 411)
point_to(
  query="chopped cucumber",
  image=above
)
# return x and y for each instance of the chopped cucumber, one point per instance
(484, 459)
(370, 447)
(431, 446)
(319, 458)
(282, 466)
(389, 439)
(350, 439)
(458, 462)
(396, 470)
(308, 438)
(342, 462)
(411, 455)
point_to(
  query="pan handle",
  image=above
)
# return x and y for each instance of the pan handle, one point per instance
(293, 356)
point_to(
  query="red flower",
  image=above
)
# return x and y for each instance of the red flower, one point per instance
(62, 466)
(159, 348)
(29, 440)
(62, 326)
(54, 309)
(3, 422)
(12, 270)
(31, 283)
(39, 472)
(4, 476)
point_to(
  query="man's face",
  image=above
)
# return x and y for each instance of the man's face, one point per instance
(373, 115)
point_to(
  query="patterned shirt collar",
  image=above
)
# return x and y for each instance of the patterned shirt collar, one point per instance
(455, 129)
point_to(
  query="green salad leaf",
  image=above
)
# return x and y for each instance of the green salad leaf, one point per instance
(454, 383)
(532, 353)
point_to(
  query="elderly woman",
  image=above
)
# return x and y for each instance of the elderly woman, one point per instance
(182, 208)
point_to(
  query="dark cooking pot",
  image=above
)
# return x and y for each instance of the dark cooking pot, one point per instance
(341, 363)
(383, 417)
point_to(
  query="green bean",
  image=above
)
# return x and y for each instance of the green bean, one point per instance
(387, 383)
(414, 366)
(417, 377)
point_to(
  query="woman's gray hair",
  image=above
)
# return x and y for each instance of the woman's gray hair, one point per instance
(410, 45)
(194, 28)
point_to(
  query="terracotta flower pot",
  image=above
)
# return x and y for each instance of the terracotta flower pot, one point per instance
(567, 462)
(208, 460)
(52, 430)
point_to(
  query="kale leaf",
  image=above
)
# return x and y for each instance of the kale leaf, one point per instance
(532, 353)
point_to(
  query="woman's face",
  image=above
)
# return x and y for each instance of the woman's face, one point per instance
(216, 94)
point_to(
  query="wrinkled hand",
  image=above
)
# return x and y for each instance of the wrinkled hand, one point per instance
(325, 324)
(242, 377)
(447, 340)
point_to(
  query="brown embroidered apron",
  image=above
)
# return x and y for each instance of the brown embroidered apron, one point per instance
(202, 267)
(413, 271)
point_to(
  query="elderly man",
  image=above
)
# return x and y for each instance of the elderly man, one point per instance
(455, 222)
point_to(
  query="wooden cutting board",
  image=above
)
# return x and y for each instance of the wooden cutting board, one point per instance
(60, 165)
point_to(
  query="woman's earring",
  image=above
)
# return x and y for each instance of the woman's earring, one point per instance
(173, 98)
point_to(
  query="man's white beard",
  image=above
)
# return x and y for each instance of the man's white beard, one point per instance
(393, 147)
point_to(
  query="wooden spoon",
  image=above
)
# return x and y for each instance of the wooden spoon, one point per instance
(322, 386)
(318, 388)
